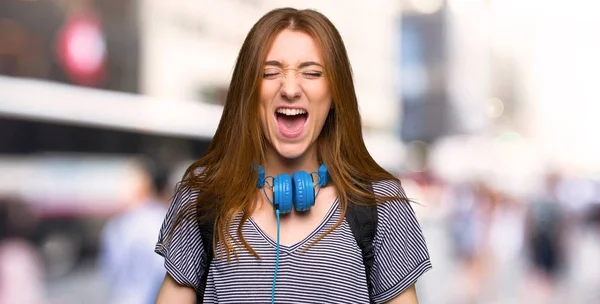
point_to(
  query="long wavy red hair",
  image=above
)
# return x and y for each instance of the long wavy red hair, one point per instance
(224, 177)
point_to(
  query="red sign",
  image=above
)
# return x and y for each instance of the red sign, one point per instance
(81, 49)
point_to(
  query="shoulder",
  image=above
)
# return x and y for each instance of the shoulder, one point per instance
(180, 239)
(401, 254)
(184, 195)
(182, 206)
(397, 206)
(397, 224)
(387, 187)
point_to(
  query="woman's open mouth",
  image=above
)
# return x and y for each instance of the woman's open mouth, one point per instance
(291, 121)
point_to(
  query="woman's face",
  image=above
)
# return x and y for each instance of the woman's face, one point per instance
(294, 95)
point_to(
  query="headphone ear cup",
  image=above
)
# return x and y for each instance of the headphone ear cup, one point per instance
(261, 176)
(304, 194)
(323, 175)
(282, 193)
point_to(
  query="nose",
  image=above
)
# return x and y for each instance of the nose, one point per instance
(290, 87)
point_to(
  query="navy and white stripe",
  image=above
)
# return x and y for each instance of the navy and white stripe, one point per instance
(331, 271)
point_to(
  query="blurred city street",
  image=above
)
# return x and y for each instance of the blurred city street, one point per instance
(485, 109)
(83, 285)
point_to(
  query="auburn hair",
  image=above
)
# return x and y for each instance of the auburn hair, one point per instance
(224, 177)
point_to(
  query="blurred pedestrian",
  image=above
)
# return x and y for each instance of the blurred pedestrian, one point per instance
(21, 267)
(132, 270)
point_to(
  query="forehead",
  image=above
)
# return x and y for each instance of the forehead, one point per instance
(294, 47)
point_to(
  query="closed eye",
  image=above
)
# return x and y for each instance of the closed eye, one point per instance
(270, 74)
(312, 74)
(275, 73)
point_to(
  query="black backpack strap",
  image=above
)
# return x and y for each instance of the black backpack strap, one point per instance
(206, 231)
(363, 223)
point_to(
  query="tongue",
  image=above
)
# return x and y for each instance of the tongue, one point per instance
(290, 123)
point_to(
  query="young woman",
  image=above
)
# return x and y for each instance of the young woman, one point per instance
(290, 134)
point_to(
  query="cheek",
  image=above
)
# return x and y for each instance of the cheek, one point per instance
(317, 88)
(264, 119)
(267, 91)
(320, 95)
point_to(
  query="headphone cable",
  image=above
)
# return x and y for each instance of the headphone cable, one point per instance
(276, 259)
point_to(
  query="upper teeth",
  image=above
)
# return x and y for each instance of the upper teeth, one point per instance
(291, 111)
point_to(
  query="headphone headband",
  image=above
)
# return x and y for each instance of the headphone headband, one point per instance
(322, 173)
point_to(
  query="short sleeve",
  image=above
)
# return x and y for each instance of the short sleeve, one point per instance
(401, 254)
(182, 247)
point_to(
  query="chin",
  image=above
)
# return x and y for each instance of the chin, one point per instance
(291, 151)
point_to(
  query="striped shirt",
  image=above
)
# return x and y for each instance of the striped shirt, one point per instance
(331, 271)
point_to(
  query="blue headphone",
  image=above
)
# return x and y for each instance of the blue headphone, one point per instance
(296, 191)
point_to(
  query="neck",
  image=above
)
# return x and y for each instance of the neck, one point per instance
(275, 164)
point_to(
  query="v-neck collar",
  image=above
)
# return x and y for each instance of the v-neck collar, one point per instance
(293, 247)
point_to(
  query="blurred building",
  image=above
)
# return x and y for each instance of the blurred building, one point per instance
(452, 92)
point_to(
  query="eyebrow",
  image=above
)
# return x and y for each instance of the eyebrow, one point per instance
(302, 65)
